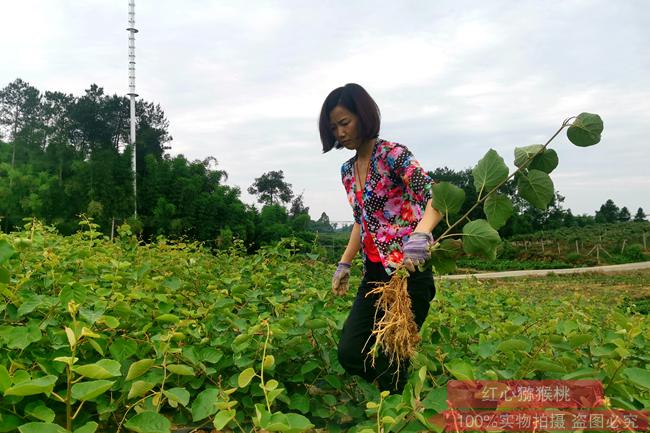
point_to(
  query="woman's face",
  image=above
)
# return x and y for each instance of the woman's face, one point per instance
(345, 127)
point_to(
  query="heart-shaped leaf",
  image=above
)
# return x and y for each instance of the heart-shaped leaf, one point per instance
(148, 422)
(481, 239)
(490, 171)
(585, 130)
(546, 161)
(447, 198)
(537, 188)
(523, 154)
(498, 208)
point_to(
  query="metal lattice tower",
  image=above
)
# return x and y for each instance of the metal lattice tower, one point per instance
(132, 95)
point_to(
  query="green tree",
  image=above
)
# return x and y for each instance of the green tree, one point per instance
(298, 207)
(271, 188)
(624, 214)
(608, 212)
(640, 215)
(19, 108)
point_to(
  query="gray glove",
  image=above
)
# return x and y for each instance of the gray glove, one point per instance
(341, 278)
(416, 250)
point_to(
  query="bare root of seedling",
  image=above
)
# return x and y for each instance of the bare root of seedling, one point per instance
(396, 331)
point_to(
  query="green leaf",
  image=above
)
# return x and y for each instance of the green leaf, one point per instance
(211, 355)
(498, 208)
(480, 238)
(447, 198)
(167, 318)
(445, 254)
(9, 423)
(38, 410)
(436, 400)
(585, 130)
(514, 345)
(277, 422)
(139, 388)
(41, 427)
(638, 376)
(270, 385)
(581, 374)
(269, 362)
(272, 395)
(5, 277)
(5, 379)
(298, 423)
(547, 161)
(490, 171)
(223, 417)
(138, 368)
(245, 377)
(6, 251)
(73, 292)
(122, 348)
(89, 390)
(523, 154)
(299, 402)
(181, 369)
(485, 350)
(19, 337)
(537, 188)
(103, 369)
(109, 321)
(309, 366)
(89, 427)
(461, 370)
(579, 340)
(543, 365)
(203, 405)
(43, 384)
(30, 303)
(316, 323)
(179, 395)
(149, 422)
(90, 316)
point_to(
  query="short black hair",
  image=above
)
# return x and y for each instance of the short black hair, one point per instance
(354, 98)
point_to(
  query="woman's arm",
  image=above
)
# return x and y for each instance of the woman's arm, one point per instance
(429, 220)
(354, 244)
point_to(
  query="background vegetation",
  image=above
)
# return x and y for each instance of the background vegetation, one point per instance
(65, 155)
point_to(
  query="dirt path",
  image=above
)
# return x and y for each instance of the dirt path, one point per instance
(541, 272)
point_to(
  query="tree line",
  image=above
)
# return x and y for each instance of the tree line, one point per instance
(63, 155)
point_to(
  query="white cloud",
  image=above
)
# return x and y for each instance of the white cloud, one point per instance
(244, 81)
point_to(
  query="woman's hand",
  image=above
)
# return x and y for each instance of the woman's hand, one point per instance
(341, 278)
(416, 250)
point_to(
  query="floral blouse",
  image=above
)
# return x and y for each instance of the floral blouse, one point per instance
(395, 196)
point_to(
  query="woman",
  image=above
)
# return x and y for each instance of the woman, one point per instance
(390, 195)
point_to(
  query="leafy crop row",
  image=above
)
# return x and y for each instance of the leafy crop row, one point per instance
(102, 336)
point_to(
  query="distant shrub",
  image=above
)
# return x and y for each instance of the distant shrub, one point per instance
(573, 257)
(635, 252)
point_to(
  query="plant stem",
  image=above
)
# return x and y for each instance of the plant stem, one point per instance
(564, 124)
(78, 409)
(266, 397)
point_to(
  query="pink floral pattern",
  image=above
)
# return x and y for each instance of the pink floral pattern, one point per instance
(395, 195)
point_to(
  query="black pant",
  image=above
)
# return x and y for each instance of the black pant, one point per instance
(359, 324)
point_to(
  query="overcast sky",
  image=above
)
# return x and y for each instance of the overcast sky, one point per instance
(244, 81)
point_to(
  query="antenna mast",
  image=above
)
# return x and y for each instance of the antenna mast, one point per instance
(132, 31)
